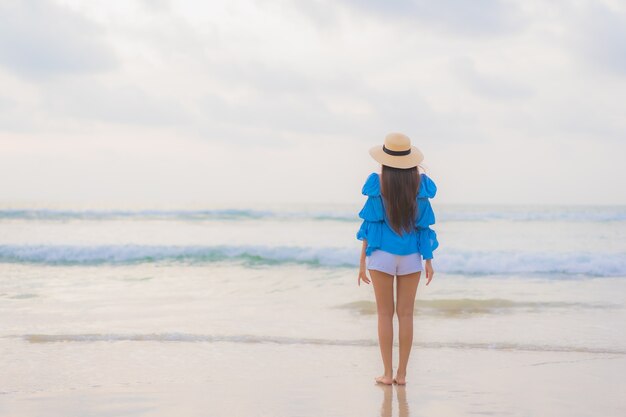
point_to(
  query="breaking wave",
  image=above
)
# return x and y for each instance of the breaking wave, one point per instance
(444, 213)
(448, 261)
(206, 338)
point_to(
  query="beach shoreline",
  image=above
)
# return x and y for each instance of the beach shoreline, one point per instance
(243, 379)
(124, 314)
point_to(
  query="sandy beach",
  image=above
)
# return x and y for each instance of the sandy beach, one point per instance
(142, 378)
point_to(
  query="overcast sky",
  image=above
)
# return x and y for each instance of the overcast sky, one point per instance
(236, 102)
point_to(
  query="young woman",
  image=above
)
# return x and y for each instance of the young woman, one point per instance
(396, 237)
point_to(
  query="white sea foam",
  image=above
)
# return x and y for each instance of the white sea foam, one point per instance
(446, 260)
(524, 262)
(444, 213)
(249, 338)
(123, 254)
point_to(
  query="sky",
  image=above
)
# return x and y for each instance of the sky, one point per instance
(278, 101)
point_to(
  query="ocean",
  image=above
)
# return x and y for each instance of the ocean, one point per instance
(121, 298)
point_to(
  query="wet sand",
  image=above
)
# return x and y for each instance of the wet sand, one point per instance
(144, 378)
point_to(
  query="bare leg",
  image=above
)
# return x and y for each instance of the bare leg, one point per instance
(406, 288)
(383, 289)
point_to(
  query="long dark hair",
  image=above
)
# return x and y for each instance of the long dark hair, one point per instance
(399, 189)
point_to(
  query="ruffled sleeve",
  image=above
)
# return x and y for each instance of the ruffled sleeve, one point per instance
(372, 215)
(426, 237)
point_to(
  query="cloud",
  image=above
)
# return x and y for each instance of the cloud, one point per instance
(367, 112)
(284, 113)
(160, 5)
(493, 86)
(39, 38)
(112, 102)
(288, 79)
(599, 37)
(461, 17)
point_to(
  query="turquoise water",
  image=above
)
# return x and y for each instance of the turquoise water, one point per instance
(521, 278)
(562, 242)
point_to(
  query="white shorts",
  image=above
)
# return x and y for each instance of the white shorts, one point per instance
(394, 264)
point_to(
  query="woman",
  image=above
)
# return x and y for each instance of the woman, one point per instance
(396, 237)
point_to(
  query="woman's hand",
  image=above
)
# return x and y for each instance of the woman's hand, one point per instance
(429, 270)
(363, 275)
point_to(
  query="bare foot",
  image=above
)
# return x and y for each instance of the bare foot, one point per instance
(387, 380)
(400, 379)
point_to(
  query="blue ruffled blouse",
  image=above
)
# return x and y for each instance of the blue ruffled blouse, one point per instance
(379, 235)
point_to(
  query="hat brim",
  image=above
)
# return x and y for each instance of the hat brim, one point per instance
(411, 160)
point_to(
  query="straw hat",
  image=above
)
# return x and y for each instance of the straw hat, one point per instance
(397, 152)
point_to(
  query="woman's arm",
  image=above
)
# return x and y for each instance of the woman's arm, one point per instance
(362, 269)
(429, 270)
(363, 252)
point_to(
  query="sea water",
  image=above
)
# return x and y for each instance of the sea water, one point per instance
(506, 278)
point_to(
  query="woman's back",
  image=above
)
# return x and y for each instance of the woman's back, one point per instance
(402, 243)
(376, 228)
